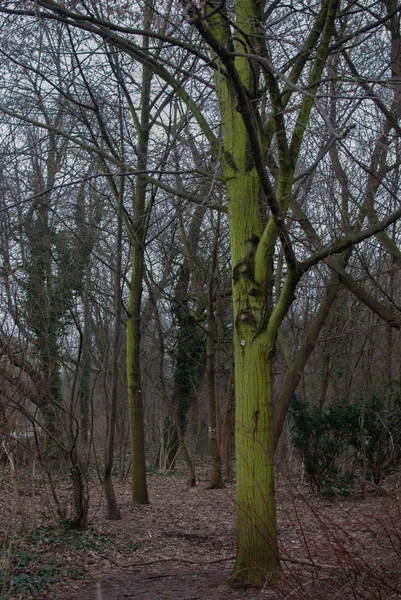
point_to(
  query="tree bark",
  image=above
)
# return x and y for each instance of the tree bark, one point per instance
(112, 508)
(216, 481)
(135, 400)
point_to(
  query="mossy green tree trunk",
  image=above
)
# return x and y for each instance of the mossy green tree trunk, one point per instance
(257, 552)
(253, 352)
(257, 313)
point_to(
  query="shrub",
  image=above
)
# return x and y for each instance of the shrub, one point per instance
(331, 444)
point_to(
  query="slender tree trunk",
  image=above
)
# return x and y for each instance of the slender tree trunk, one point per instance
(325, 377)
(387, 394)
(112, 509)
(211, 344)
(14, 479)
(225, 441)
(84, 387)
(135, 400)
(138, 458)
(216, 480)
(78, 474)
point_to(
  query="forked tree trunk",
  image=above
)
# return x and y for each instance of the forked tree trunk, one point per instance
(257, 552)
(256, 319)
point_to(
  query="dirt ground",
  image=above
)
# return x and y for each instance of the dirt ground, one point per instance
(182, 545)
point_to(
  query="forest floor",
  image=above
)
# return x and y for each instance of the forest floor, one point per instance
(181, 546)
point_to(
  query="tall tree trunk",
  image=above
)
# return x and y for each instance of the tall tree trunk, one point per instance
(137, 434)
(256, 320)
(257, 552)
(139, 226)
(112, 509)
(216, 481)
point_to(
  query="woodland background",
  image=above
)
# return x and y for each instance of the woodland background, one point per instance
(135, 200)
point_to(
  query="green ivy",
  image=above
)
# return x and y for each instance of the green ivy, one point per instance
(190, 348)
(330, 442)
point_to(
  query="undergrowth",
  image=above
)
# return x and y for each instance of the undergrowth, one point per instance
(34, 561)
(348, 550)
